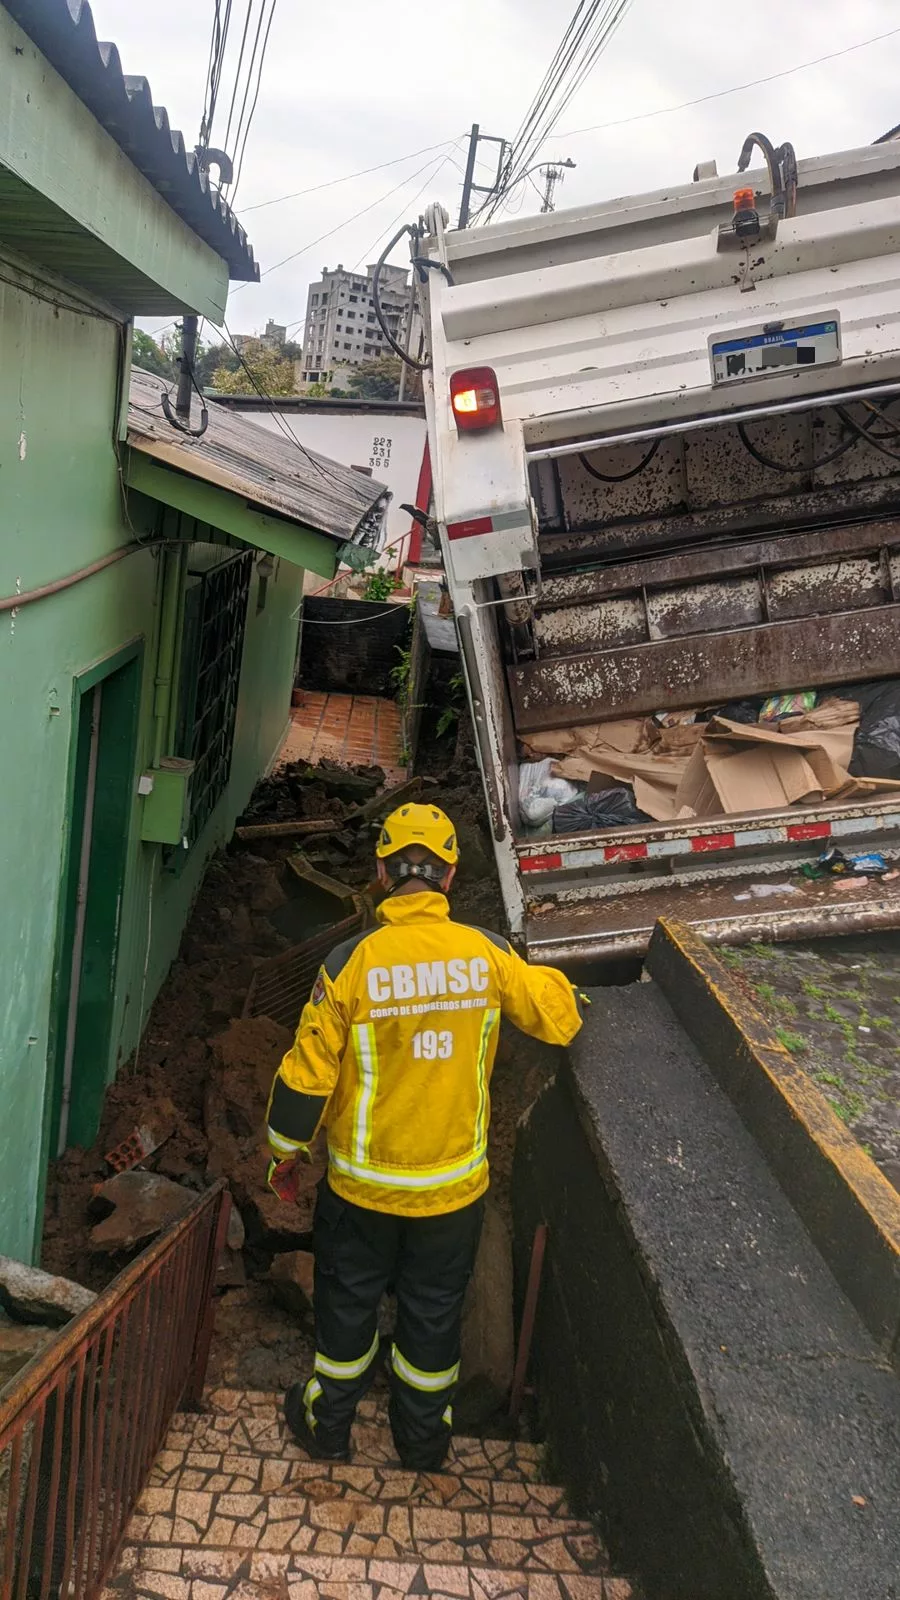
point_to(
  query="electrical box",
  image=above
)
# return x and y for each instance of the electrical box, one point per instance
(167, 801)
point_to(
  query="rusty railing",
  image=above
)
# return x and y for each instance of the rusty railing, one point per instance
(81, 1426)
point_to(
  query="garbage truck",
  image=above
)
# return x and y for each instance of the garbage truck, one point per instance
(665, 444)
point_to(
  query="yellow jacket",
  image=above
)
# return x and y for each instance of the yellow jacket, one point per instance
(395, 1050)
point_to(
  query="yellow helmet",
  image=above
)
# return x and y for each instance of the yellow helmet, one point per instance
(422, 825)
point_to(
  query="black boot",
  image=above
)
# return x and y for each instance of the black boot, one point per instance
(295, 1417)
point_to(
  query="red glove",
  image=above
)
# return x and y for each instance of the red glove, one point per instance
(283, 1177)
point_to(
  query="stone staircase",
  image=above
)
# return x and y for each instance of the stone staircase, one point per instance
(234, 1510)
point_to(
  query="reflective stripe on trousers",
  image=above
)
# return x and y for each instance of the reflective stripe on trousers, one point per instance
(427, 1382)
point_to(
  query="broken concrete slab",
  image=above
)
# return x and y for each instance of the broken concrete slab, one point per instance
(291, 1277)
(19, 1344)
(144, 1203)
(29, 1295)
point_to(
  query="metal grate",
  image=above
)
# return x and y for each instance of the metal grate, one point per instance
(81, 1426)
(216, 614)
(282, 985)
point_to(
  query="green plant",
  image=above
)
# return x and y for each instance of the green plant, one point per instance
(848, 1109)
(380, 586)
(764, 952)
(882, 1022)
(814, 990)
(450, 713)
(401, 675)
(729, 957)
(791, 1041)
(766, 991)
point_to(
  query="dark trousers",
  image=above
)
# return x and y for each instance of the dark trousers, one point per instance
(427, 1261)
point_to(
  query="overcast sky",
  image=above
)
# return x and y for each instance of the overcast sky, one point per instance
(353, 84)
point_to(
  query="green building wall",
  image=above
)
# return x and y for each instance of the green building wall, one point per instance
(62, 506)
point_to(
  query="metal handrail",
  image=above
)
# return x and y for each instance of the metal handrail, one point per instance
(81, 1426)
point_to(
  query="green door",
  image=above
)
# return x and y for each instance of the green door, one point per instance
(105, 733)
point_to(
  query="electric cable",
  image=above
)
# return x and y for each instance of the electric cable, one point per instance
(283, 426)
(587, 35)
(410, 361)
(253, 104)
(346, 223)
(347, 176)
(620, 477)
(237, 74)
(737, 88)
(409, 206)
(782, 466)
(863, 433)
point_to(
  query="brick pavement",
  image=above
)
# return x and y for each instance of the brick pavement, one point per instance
(357, 730)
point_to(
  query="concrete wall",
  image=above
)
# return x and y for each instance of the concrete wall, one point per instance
(61, 507)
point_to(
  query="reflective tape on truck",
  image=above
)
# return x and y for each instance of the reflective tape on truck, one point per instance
(565, 860)
(497, 522)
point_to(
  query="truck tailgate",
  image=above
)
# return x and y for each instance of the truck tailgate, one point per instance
(598, 896)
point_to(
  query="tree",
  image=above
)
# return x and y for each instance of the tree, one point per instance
(209, 358)
(257, 369)
(376, 380)
(147, 354)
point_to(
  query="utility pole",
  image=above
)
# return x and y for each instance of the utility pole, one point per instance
(470, 187)
(468, 180)
(189, 326)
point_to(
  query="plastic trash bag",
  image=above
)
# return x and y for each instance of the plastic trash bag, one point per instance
(540, 793)
(741, 711)
(608, 808)
(876, 748)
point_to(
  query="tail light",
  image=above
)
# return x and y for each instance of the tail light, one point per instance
(475, 398)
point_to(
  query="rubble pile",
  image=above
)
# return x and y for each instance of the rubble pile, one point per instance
(191, 1107)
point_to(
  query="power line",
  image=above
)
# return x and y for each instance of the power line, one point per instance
(363, 172)
(339, 226)
(589, 31)
(738, 88)
(237, 72)
(254, 102)
(279, 417)
(407, 207)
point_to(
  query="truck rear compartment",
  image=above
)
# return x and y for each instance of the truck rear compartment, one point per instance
(729, 564)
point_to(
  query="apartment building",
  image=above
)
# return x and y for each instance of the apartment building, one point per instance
(341, 326)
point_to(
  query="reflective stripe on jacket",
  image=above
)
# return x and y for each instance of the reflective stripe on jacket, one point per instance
(396, 1048)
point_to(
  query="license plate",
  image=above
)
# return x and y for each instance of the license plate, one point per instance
(766, 351)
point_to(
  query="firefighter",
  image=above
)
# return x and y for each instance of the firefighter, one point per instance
(394, 1053)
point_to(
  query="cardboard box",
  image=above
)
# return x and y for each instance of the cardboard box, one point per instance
(762, 780)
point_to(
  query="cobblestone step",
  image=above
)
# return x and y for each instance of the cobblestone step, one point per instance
(170, 1573)
(234, 1510)
(253, 1424)
(240, 1473)
(354, 1522)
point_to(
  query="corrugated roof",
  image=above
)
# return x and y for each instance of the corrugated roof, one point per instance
(266, 470)
(64, 32)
